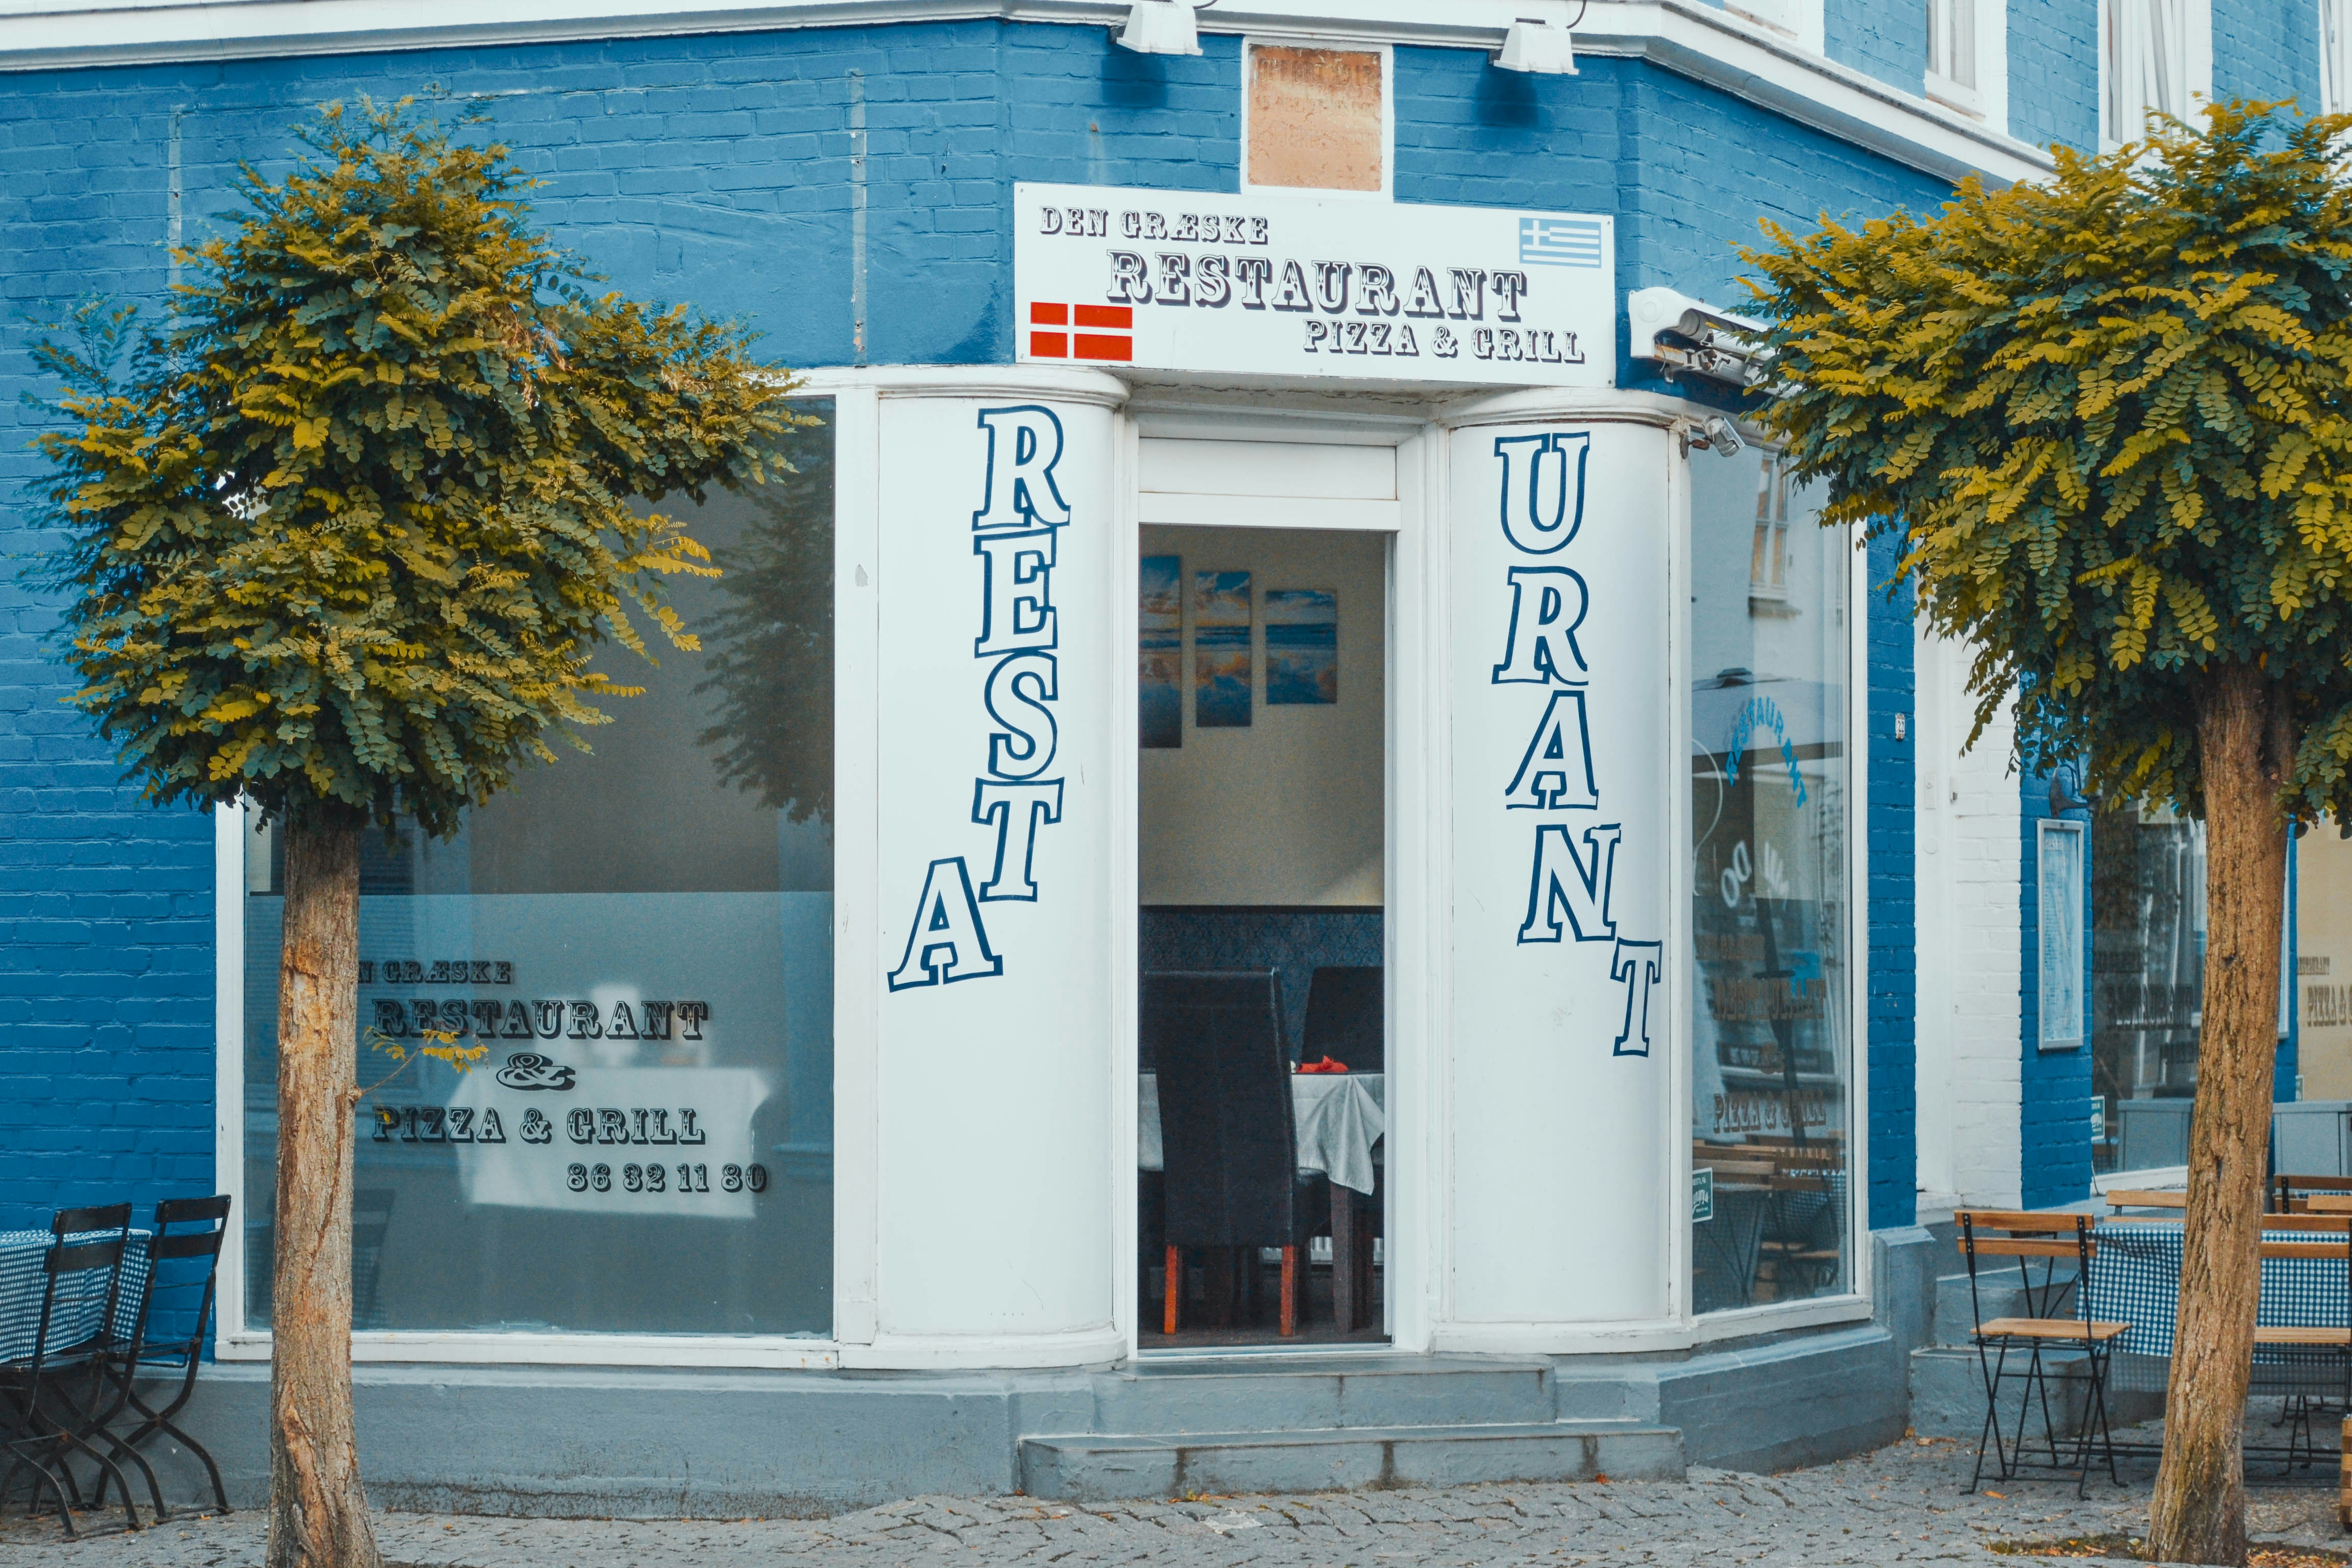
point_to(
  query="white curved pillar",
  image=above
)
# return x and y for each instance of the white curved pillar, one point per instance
(987, 1242)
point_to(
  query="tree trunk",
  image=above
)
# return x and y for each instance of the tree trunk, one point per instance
(318, 1514)
(2199, 1511)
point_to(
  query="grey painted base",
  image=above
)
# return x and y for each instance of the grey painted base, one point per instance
(1095, 1469)
(1948, 1390)
(599, 1442)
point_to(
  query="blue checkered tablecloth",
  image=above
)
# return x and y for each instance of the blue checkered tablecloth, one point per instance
(2136, 1279)
(81, 1297)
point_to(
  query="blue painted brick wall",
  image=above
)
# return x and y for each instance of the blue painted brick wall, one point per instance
(2268, 49)
(2054, 1090)
(1889, 42)
(1894, 1044)
(2054, 86)
(717, 169)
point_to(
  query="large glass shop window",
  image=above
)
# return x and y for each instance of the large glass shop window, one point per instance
(2147, 984)
(643, 940)
(1770, 1207)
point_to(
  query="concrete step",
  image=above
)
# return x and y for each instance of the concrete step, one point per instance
(1317, 1391)
(1998, 1294)
(1090, 1468)
(1947, 1394)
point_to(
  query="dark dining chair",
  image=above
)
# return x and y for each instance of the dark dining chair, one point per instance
(169, 1320)
(83, 1264)
(1233, 1182)
(1344, 1016)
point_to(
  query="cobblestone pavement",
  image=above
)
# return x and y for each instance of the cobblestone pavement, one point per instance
(1899, 1505)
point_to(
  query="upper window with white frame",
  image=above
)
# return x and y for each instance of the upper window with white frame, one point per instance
(1956, 55)
(2156, 56)
(2334, 55)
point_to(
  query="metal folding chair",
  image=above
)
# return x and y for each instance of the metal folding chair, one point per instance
(2287, 1355)
(165, 1338)
(50, 1429)
(2053, 1238)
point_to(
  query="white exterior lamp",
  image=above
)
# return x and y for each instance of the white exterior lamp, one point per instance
(1161, 27)
(1542, 46)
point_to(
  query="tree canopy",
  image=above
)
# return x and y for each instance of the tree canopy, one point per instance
(348, 528)
(2108, 417)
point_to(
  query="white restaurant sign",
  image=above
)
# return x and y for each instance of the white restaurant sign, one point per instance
(1298, 285)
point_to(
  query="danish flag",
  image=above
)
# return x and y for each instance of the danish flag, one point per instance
(1104, 331)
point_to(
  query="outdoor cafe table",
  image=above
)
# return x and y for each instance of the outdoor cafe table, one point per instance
(81, 1296)
(2136, 1279)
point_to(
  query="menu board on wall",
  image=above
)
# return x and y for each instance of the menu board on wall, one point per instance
(1317, 286)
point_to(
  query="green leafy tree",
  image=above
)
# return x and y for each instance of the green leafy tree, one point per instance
(343, 538)
(2109, 419)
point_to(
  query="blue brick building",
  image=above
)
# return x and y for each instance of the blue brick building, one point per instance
(1662, 1067)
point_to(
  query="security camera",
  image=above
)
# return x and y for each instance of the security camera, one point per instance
(1687, 334)
(1722, 435)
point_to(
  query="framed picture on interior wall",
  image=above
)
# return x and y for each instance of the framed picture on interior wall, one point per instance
(1302, 645)
(1221, 650)
(1160, 697)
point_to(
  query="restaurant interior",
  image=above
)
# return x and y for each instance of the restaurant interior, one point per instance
(1262, 1005)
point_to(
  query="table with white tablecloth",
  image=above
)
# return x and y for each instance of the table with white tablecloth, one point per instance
(1340, 1119)
(81, 1296)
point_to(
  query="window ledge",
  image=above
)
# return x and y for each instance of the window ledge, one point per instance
(775, 1352)
(1955, 96)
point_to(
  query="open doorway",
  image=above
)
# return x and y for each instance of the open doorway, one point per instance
(1261, 1026)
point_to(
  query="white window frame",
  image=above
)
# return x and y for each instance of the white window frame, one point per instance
(2197, 67)
(2335, 64)
(1988, 98)
(1252, 42)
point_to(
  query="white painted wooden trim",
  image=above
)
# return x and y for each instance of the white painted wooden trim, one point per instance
(964, 380)
(1272, 512)
(857, 964)
(1858, 819)
(1126, 880)
(1854, 1306)
(1416, 948)
(1409, 859)
(229, 1067)
(771, 1352)
(1098, 1346)
(1688, 37)
(1683, 990)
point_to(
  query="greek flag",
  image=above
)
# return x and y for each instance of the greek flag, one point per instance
(1560, 241)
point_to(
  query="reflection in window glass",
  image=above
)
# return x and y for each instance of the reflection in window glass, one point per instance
(1772, 975)
(2147, 983)
(643, 939)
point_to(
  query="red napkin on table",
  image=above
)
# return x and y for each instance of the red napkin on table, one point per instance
(1326, 1064)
